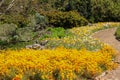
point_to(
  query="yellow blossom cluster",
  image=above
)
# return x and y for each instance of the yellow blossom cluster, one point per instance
(56, 64)
(87, 30)
(82, 37)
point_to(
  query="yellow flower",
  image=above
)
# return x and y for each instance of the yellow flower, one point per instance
(17, 77)
(64, 62)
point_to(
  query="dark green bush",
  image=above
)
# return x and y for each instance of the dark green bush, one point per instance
(117, 33)
(19, 20)
(65, 19)
(93, 10)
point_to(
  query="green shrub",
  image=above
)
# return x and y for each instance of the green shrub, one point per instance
(65, 19)
(24, 34)
(37, 22)
(19, 20)
(56, 33)
(7, 31)
(6, 34)
(11, 35)
(40, 19)
(117, 33)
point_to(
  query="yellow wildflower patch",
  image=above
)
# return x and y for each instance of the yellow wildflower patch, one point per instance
(87, 30)
(82, 37)
(59, 63)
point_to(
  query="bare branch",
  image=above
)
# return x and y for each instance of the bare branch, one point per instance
(10, 5)
(2, 2)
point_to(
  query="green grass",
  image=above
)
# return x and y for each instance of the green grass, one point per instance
(117, 33)
(58, 32)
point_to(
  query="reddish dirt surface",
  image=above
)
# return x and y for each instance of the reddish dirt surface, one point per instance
(107, 36)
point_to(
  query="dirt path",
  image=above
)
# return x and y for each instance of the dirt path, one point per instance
(107, 36)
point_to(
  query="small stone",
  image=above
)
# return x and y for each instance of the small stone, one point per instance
(35, 46)
(28, 47)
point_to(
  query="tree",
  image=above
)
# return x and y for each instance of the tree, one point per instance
(104, 10)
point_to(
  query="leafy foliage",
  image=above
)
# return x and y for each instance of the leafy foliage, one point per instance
(65, 19)
(58, 32)
(19, 20)
(80, 37)
(94, 11)
(26, 30)
(117, 33)
(24, 34)
(7, 31)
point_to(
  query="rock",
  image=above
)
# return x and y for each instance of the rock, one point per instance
(35, 46)
(28, 47)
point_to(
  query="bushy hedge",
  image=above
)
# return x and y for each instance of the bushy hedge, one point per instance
(6, 34)
(117, 33)
(93, 10)
(24, 34)
(19, 20)
(17, 28)
(65, 19)
(7, 31)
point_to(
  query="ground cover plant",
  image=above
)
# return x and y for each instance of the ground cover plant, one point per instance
(58, 32)
(80, 37)
(117, 33)
(55, 64)
(63, 30)
(68, 57)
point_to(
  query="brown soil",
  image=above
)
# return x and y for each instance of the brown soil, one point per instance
(107, 36)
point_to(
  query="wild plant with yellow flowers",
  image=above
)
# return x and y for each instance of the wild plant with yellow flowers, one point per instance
(55, 64)
(81, 37)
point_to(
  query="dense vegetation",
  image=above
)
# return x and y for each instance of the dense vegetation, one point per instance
(93, 10)
(57, 64)
(117, 33)
(80, 37)
(37, 15)
(62, 29)
(80, 57)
